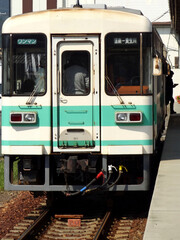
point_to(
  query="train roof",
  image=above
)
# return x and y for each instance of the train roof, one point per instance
(78, 20)
(117, 8)
(123, 9)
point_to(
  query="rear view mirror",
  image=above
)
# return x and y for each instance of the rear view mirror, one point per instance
(157, 66)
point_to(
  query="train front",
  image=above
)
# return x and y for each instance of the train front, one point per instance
(82, 110)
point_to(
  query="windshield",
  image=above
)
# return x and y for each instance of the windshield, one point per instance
(123, 56)
(24, 64)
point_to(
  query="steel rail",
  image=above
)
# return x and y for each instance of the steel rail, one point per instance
(32, 229)
(102, 227)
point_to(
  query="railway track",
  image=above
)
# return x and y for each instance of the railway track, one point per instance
(45, 224)
(61, 227)
(73, 228)
(29, 224)
(120, 229)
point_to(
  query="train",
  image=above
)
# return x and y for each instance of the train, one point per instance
(96, 127)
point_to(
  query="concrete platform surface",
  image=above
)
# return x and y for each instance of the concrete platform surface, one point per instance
(164, 215)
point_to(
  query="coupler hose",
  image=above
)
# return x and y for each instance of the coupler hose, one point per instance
(87, 186)
(119, 175)
(110, 167)
(103, 186)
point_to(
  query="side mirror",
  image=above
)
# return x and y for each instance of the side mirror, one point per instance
(168, 69)
(157, 66)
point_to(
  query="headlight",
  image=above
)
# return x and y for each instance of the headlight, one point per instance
(121, 117)
(128, 117)
(23, 117)
(29, 117)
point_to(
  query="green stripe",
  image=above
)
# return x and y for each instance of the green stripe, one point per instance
(126, 142)
(25, 143)
(97, 143)
(79, 116)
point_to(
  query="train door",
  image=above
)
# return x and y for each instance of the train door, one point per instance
(76, 112)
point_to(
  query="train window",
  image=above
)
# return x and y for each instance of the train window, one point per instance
(75, 73)
(122, 72)
(25, 64)
(122, 63)
(147, 62)
(6, 62)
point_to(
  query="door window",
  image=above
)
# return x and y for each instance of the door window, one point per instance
(75, 73)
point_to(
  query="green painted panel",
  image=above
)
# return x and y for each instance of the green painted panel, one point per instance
(75, 116)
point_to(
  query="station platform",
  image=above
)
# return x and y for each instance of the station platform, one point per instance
(164, 214)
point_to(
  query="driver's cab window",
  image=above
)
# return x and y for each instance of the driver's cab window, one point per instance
(25, 64)
(122, 64)
(75, 73)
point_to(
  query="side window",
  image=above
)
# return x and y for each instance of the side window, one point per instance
(75, 73)
(147, 63)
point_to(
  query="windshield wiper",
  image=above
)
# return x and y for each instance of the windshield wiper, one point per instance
(114, 90)
(35, 90)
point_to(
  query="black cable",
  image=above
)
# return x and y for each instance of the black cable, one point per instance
(87, 186)
(119, 175)
(101, 187)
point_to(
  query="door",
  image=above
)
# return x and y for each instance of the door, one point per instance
(76, 93)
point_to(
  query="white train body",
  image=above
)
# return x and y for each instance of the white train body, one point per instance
(53, 132)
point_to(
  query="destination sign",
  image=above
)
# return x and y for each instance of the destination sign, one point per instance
(26, 41)
(125, 41)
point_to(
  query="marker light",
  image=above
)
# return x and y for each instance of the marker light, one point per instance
(135, 117)
(23, 117)
(16, 117)
(128, 117)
